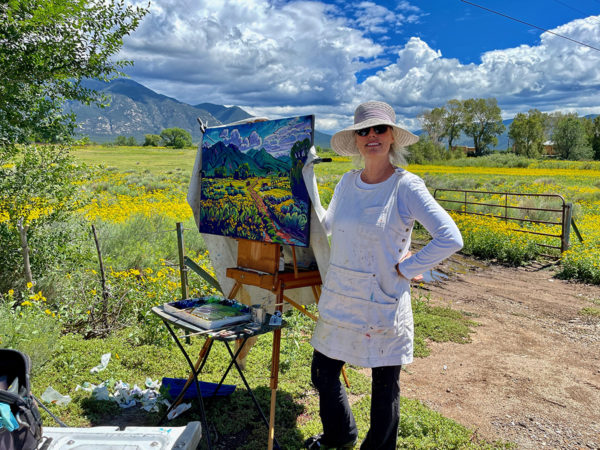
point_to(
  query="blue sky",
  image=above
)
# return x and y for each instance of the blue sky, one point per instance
(280, 58)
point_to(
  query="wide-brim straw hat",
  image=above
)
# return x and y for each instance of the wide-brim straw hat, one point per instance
(366, 115)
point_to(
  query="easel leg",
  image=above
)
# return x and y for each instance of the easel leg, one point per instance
(241, 358)
(274, 382)
(275, 370)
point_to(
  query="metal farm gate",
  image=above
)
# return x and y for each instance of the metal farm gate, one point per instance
(471, 202)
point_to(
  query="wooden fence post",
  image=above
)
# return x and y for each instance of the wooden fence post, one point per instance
(182, 267)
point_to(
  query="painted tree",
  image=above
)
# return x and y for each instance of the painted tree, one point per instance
(483, 122)
(527, 133)
(242, 172)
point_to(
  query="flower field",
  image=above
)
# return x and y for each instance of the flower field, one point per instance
(577, 182)
(116, 196)
(84, 313)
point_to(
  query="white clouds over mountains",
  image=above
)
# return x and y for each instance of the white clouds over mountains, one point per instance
(278, 58)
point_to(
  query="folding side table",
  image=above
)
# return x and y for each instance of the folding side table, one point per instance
(240, 331)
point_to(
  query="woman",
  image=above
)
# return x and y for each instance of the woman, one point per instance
(365, 315)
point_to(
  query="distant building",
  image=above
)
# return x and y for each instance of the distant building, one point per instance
(468, 151)
(549, 149)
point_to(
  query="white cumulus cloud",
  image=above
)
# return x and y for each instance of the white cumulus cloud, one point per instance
(281, 58)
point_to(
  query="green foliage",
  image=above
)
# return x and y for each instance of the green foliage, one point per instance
(590, 311)
(509, 248)
(436, 323)
(444, 122)
(527, 133)
(48, 48)
(144, 241)
(595, 138)
(176, 137)
(434, 124)
(425, 151)
(422, 428)
(125, 141)
(575, 265)
(453, 121)
(36, 190)
(27, 327)
(152, 140)
(570, 139)
(483, 122)
(496, 159)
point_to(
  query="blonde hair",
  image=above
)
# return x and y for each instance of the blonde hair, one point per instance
(397, 155)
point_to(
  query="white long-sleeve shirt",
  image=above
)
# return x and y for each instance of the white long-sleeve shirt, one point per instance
(365, 311)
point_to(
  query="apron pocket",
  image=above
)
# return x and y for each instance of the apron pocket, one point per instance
(360, 315)
(354, 300)
(348, 282)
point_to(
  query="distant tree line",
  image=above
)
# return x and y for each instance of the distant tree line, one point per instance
(169, 137)
(570, 136)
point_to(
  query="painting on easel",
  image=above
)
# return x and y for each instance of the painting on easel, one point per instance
(252, 185)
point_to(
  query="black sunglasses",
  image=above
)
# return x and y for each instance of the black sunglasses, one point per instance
(378, 129)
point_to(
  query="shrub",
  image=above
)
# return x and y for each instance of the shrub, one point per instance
(28, 326)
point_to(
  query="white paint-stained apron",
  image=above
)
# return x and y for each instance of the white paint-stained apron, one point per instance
(365, 316)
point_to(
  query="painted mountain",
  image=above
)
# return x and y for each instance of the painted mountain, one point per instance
(251, 181)
(229, 157)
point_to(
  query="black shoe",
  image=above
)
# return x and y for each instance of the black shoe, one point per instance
(315, 442)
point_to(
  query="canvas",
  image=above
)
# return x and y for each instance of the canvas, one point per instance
(251, 181)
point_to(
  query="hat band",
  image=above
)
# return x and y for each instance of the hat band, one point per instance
(379, 115)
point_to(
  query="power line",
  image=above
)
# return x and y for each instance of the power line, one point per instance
(574, 9)
(532, 25)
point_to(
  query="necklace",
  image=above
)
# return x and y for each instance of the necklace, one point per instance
(378, 177)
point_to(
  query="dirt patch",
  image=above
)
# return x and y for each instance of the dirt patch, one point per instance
(531, 374)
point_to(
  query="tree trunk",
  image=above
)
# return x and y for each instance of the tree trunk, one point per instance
(25, 250)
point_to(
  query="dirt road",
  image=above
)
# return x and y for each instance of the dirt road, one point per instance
(531, 374)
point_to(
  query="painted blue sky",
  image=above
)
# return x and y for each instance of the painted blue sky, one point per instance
(277, 137)
(279, 58)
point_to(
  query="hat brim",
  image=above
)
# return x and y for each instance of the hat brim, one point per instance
(344, 143)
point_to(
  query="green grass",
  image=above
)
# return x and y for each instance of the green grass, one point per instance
(590, 311)
(234, 419)
(156, 160)
(437, 324)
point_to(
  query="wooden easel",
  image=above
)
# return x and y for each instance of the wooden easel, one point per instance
(258, 265)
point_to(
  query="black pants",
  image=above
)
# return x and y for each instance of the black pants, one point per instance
(339, 426)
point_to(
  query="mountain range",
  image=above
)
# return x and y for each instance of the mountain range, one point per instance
(260, 162)
(135, 110)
